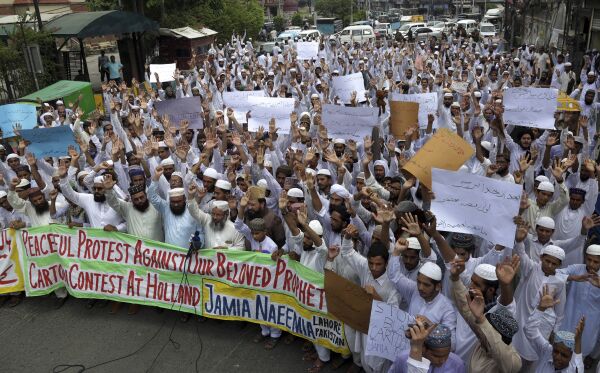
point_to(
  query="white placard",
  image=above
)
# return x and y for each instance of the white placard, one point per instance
(165, 72)
(307, 50)
(386, 337)
(344, 86)
(428, 104)
(530, 107)
(238, 101)
(460, 87)
(262, 109)
(350, 123)
(468, 203)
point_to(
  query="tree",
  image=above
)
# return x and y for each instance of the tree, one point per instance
(336, 8)
(297, 20)
(279, 23)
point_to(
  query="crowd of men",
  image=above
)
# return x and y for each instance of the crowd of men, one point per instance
(346, 205)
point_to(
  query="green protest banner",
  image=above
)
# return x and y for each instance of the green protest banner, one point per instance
(222, 284)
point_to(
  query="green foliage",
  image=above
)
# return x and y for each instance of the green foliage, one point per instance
(279, 23)
(297, 19)
(97, 5)
(338, 9)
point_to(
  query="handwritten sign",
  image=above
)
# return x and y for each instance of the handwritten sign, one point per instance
(185, 108)
(238, 101)
(403, 116)
(347, 301)
(12, 114)
(165, 72)
(351, 123)
(428, 104)
(444, 150)
(473, 204)
(460, 87)
(386, 337)
(49, 142)
(346, 84)
(264, 108)
(307, 50)
(530, 107)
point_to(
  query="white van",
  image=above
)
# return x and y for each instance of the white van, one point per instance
(411, 26)
(487, 30)
(360, 34)
(469, 25)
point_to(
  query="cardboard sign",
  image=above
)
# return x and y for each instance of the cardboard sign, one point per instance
(347, 301)
(428, 104)
(347, 122)
(185, 108)
(530, 107)
(445, 150)
(10, 115)
(165, 72)
(386, 331)
(49, 142)
(404, 115)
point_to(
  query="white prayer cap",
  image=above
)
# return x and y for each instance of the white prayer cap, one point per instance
(591, 73)
(310, 171)
(59, 102)
(2, 147)
(293, 70)
(591, 250)
(162, 144)
(296, 193)
(306, 113)
(486, 272)
(270, 73)
(202, 70)
(361, 175)
(545, 222)
(361, 62)
(46, 104)
(314, 95)
(455, 104)
(413, 243)
(176, 192)
(448, 94)
(516, 59)
(11, 156)
(262, 183)
(316, 227)
(64, 157)
(431, 270)
(3, 194)
(318, 82)
(82, 173)
(336, 72)
(211, 172)
(177, 173)
(568, 64)
(339, 141)
(554, 251)
(167, 162)
(542, 178)
(267, 163)
(223, 184)
(324, 171)
(477, 94)
(546, 186)
(221, 205)
(23, 183)
(486, 145)
(479, 67)
(450, 68)
(110, 163)
(99, 180)
(339, 191)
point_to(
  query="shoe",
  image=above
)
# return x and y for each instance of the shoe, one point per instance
(114, 308)
(59, 302)
(133, 309)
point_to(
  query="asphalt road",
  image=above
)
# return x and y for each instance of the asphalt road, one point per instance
(37, 338)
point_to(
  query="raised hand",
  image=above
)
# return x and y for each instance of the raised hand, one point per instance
(506, 270)
(547, 299)
(457, 267)
(412, 224)
(400, 246)
(477, 304)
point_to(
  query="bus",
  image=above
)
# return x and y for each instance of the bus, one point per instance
(329, 26)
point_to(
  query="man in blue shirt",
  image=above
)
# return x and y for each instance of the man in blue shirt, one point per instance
(114, 70)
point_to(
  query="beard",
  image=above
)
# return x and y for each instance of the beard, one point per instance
(142, 207)
(251, 214)
(99, 198)
(42, 208)
(217, 226)
(177, 210)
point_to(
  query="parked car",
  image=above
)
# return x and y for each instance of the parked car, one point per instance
(313, 34)
(449, 27)
(487, 30)
(469, 25)
(436, 25)
(424, 33)
(383, 30)
(266, 47)
(353, 34)
(410, 26)
(288, 34)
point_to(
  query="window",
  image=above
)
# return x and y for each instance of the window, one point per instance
(346, 32)
(356, 32)
(367, 32)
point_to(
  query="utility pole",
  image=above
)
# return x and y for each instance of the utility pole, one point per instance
(36, 5)
(351, 11)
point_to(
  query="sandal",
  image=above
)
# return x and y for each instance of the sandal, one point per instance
(259, 338)
(317, 366)
(310, 356)
(339, 361)
(289, 339)
(271, 343)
